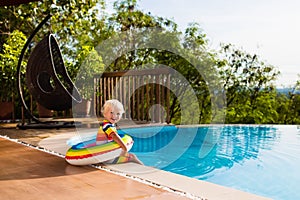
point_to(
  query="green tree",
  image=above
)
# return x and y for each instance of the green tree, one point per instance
(91, 64)
(71, 22)
(8, 64)
(248, 83)
(128, 19)
(81, 25)
(75, 24)
(192, 55)
(289, 105)
(197, 68)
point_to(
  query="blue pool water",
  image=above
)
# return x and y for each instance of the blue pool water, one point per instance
(263, 160)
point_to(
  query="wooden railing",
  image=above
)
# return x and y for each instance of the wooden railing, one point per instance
(145, 94)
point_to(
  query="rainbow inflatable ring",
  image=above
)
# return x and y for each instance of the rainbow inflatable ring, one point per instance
(87, 152)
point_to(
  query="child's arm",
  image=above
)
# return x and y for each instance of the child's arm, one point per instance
(118, 140)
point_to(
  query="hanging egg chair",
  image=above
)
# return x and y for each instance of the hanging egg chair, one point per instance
(47, 80)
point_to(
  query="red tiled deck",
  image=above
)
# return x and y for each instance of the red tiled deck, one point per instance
(27, 173)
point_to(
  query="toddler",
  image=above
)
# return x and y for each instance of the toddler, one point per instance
(112, 112)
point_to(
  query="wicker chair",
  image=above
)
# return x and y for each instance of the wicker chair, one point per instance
(47, 81)
(47, 78)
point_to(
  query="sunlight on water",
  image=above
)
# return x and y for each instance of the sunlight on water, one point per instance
(259, 159)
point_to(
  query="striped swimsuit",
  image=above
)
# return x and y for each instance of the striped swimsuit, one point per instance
(105, 135)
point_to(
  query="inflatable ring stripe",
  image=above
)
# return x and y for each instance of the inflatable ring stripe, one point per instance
(96, 154)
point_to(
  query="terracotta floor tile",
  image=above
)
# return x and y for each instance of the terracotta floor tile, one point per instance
(27, 173)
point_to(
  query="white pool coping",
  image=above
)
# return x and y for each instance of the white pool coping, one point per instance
(193, 188)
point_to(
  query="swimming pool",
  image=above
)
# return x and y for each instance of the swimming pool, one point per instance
(263, 160)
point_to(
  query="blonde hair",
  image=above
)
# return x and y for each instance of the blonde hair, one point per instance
(113, 103)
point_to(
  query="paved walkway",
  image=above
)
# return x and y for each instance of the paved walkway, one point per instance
(28, 173)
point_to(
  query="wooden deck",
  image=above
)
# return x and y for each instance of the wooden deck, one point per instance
(28, 173)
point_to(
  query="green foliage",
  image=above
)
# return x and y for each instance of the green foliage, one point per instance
(91, 64)
(241, 81)
(71, 21)
(76, 24)
(8, 63)
(127, 18)
(249, 88)
(288, 105)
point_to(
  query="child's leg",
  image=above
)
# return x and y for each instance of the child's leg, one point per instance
(133, 158)
(126, 157)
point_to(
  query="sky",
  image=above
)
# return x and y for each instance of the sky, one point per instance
(269, 28)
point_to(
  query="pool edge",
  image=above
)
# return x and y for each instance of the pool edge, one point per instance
(176, 182)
